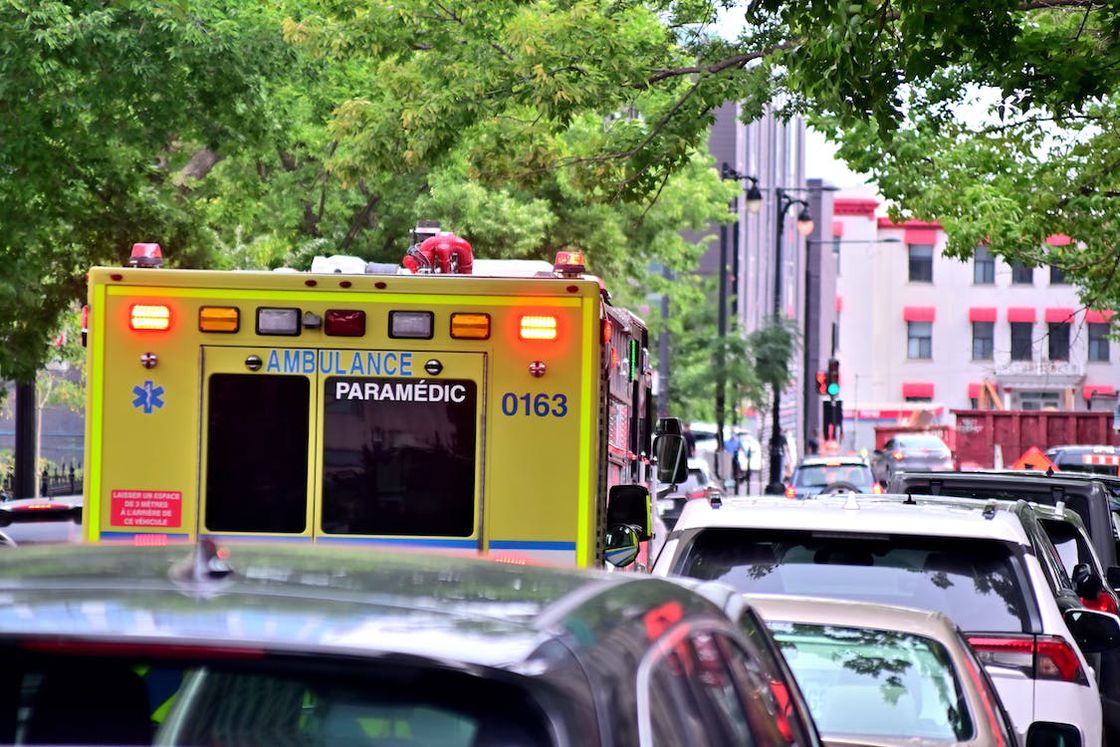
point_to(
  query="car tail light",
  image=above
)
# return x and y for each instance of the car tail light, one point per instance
(790, 492)
(219, 319)
(1041, 657)
(156, 317)
(986, 701)
(699, 493)
(470, 326)
(896, 455)
(536, 327)
(1104, 602)
(877, 489)
(344, 322)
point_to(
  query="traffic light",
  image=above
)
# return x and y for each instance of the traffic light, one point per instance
(822, 384)
(832, 379)
(832, 420)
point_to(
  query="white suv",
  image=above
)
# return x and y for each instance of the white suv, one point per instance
(977, 564)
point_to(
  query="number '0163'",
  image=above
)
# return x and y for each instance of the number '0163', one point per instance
(535, 405)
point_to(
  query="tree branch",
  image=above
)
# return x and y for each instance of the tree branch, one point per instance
(734, 61)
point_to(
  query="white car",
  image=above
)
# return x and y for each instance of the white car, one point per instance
(980, 567)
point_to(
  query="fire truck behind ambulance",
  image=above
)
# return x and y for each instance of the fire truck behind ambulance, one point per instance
(432, 407)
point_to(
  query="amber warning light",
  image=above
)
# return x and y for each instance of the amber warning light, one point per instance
(569, 264)
(149, 317)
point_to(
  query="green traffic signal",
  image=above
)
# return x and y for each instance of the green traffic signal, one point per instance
(833, 389)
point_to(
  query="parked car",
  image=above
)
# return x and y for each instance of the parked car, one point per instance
(32, 521)
(992, 571)
(832, 474)
(1086, 496)
(1100, 460)
(296, 645)
(908, 452)
(671, 500)
(885, 674)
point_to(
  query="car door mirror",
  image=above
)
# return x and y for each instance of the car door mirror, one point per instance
(1052, 734)
(621, 545)
(1112, 574)
(1093, 631)
(672, 460)
(1086, 582)
(630, 505)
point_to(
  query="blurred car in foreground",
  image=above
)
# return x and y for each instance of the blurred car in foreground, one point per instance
(910, 451)
(883, 674)
(34, 521)
(838, 474)
(992, 570)
(263, 645)
(671, 500)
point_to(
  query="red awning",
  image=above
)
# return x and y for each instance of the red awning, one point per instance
(1098, 317)
(982, 314)
(1059, 315)
(974, 390)
(917, 389)
(1021, 314)
(920, 236)
(919, 313)
(1099, 390)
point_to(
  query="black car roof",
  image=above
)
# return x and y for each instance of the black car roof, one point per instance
(983, 476)
(323, 599)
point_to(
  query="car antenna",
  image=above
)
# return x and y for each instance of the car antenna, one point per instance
(910, 500)
(206, 563)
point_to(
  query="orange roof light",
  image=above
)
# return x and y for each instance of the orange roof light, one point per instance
(470, 326)
(569, 263)
(538, 327)
(149, 317)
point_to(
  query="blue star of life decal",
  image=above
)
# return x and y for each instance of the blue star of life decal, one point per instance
(148, 396)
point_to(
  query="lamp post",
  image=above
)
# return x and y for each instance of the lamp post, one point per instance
(754, 204)
(804, 227)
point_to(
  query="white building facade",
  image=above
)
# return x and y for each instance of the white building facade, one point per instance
(917, 328)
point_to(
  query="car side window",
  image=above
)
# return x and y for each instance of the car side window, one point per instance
(705, 690)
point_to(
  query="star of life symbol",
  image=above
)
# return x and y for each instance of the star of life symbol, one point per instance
(148, 396)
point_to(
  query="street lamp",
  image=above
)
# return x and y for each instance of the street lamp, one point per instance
(754, 194)
(804, 227)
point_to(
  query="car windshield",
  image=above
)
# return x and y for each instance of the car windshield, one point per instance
(976, 582)
(52, 699)
(820, 475)
(921, 442)
(861, 681)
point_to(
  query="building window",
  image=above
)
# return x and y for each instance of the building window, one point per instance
(983, 266)
(921, 263)
(1098, 342)
(1057, 276)
(1059, 341)
(983, 340)
(1021, 274)
(1021, 342)
(1039, 400)
(919, 339)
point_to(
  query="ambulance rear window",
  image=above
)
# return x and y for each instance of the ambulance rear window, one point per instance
(256, 457)
(399, 456)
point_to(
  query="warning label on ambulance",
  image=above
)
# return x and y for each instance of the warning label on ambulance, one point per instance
(147, 508)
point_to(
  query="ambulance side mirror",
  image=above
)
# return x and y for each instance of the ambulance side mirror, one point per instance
(630, 505)
(621, 545)
(672, 460)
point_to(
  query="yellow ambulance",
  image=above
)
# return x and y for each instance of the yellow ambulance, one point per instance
(482, 407)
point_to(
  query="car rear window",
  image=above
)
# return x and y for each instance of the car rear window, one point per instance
(862, 681)
(50, 699)
(978, 583)
(921, 442)
(822, 475)
(1069, 542)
